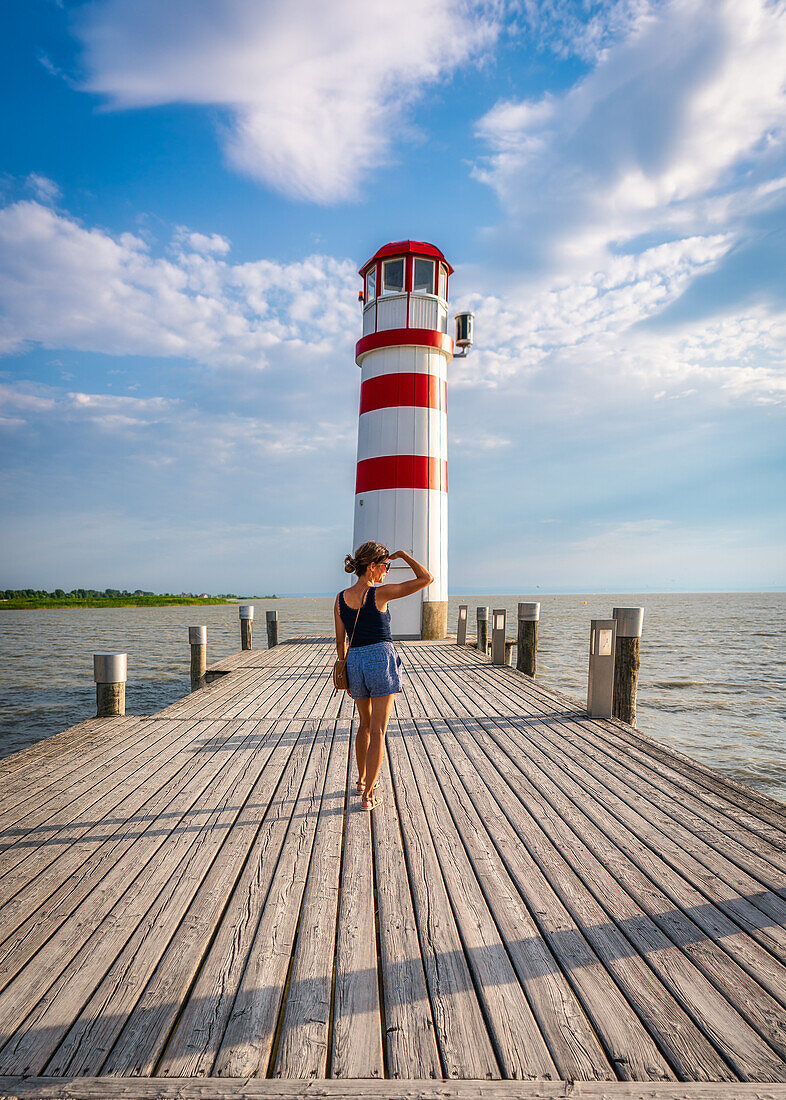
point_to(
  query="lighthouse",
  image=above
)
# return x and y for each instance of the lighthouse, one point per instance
(401, 487)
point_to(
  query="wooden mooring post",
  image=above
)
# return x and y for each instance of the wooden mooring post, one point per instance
(246, 612)
(197, 637)
(630, 621)
(271, 618)
(527, 644)
(110, 671)
(483, 630)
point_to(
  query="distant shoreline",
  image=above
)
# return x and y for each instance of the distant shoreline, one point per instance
(112, 601)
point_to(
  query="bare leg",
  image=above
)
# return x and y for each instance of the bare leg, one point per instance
(381, 706)
(362, 735)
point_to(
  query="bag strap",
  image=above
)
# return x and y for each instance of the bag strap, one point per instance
(352, 635)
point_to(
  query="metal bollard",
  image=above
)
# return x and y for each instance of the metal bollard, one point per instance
(246, 611)
(110, 671)
(600, 684)
(498, 622)
(630, 621)
(197, 637)
(527, 644)
(461, 628)
(483, 630)
(271, 618)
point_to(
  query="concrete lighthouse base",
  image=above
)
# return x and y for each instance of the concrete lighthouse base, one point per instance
(434, 620)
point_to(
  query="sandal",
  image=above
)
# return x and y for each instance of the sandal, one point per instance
(370, 801)
(360, 787)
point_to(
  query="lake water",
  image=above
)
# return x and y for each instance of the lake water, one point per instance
(712, 680)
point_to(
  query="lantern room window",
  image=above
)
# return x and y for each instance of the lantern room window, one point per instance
(423, 276)
(393, 277)
(443, 282)
(371, 284)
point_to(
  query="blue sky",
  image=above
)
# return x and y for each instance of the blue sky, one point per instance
(188, 188)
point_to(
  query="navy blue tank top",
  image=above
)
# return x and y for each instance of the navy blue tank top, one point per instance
(372, 625)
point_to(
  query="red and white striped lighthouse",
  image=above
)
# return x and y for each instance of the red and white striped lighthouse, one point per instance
(401, 491)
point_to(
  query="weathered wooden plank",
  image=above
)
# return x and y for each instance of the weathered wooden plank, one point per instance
(409, 1025)
(696, 778)
(204, 756)
(43, 902)
(248, 1040)
(140, 1046)
(670, 874)
(683, 801)
(221, 691)
(674, 1031)
(211, 1088)
(521, 1047)
(46, 914)
(31, 779)
(61, 794)
(669, 1025)
(684, 927)
(194, 1044)
(303, 1041)
(695, 993)
(357, 1024)
(721, 879)
(117, 1018)
(75, 963)
(465, 1047)
(21, 815)
(529, 746)
(52, 843)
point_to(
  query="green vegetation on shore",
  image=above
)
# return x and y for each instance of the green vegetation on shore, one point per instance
(22, 598)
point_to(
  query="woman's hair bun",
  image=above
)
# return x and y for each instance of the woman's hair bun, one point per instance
(364, 556)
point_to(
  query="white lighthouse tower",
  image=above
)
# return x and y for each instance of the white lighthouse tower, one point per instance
(401, 489)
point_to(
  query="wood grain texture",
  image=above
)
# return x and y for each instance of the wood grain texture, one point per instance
(159, 1088)
(192, 904)
(411, 1046)
(357, 1023)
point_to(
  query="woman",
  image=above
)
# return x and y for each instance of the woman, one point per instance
(372, 662)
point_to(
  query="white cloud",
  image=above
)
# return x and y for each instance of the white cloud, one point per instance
(676, 124)
(44, 189)
(314, 92)
(200, 242)
(178, 430)
(675, 136)
(64, 285)
(582, 348)
(586, 30)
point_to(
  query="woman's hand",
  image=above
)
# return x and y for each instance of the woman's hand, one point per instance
(396, 554)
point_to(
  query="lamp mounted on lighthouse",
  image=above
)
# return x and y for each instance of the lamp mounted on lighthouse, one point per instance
(401, 488)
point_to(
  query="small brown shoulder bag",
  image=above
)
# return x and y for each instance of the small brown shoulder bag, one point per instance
(340, 667)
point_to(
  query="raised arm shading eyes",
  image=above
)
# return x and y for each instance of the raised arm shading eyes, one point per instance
(422, 578)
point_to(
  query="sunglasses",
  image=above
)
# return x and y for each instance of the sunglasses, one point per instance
(385, 563)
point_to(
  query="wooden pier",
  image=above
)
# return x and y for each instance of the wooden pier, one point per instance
(193, 905)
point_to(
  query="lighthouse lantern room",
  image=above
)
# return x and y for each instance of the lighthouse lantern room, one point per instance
(401, 489)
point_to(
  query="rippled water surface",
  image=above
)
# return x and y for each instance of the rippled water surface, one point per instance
(713, 666)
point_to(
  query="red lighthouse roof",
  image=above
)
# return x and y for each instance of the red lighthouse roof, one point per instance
(406, 248)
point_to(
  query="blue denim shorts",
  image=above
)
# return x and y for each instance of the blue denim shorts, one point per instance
(373, 670)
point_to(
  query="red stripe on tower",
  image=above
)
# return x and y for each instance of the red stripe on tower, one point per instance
(424, 391)
(401, 472)
(399, 337)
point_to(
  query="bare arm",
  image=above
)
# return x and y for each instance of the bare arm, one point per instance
(422, 579)
(341, 633)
